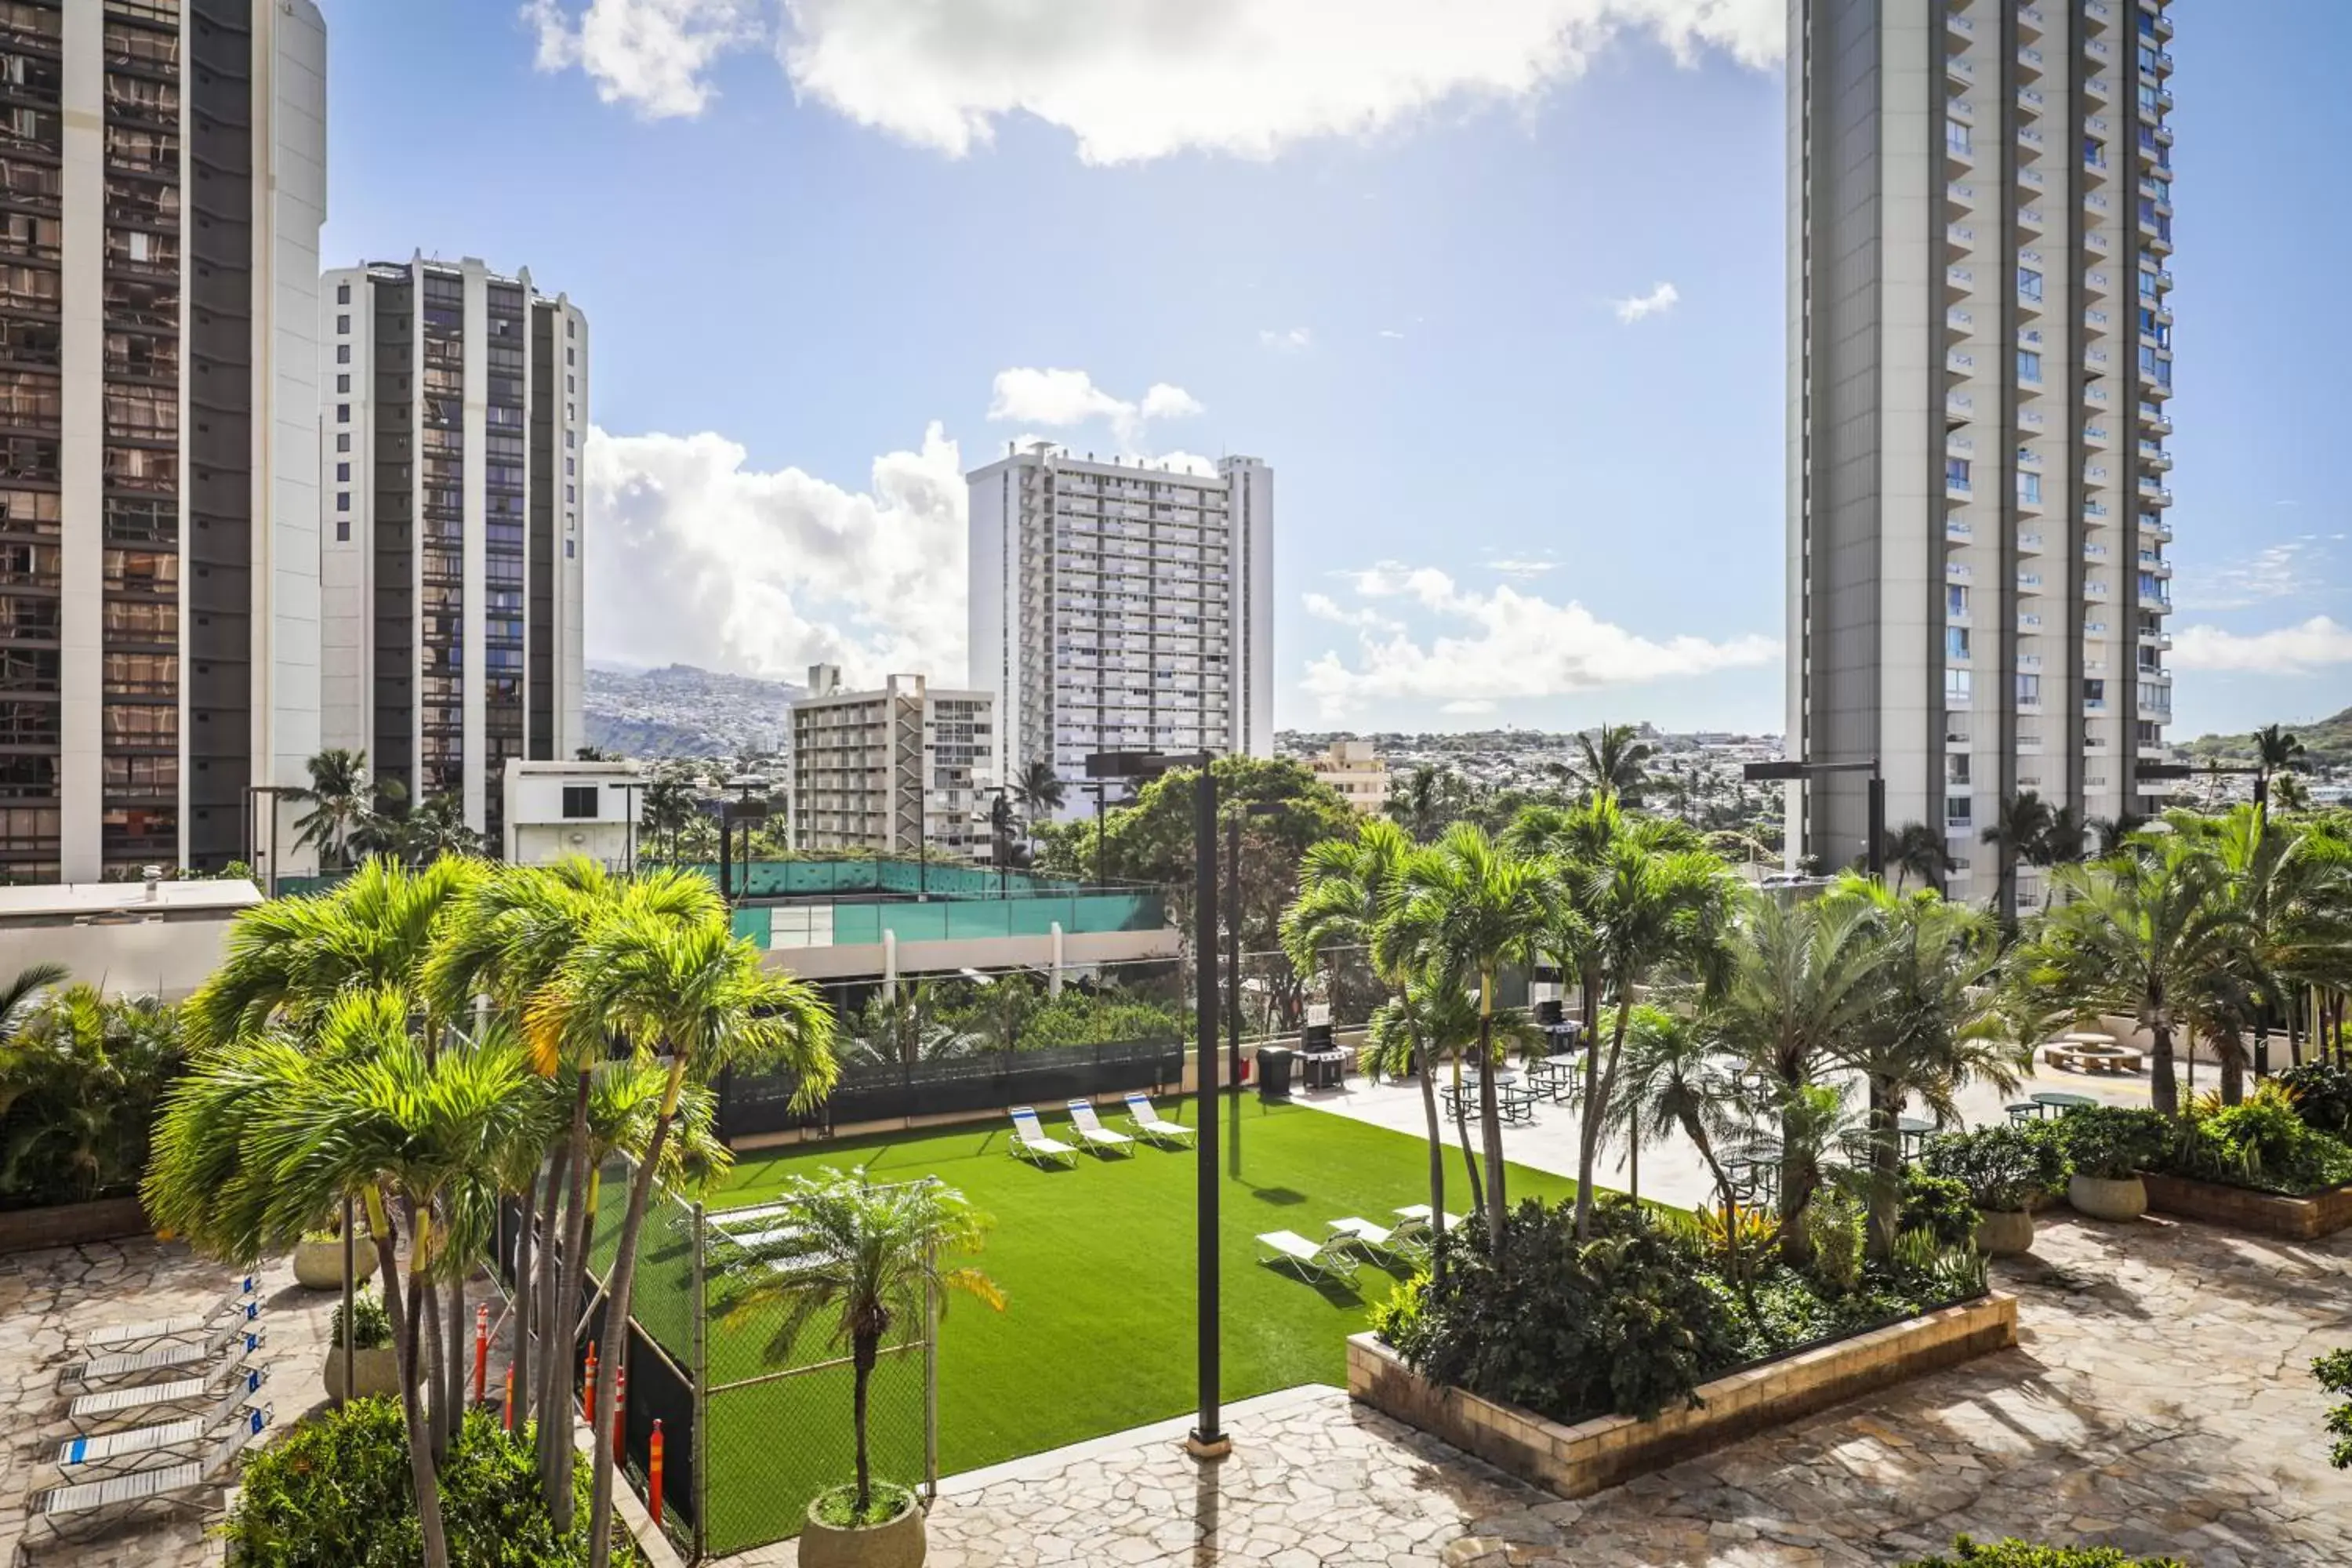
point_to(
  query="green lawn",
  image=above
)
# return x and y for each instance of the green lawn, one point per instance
(1097, 1268)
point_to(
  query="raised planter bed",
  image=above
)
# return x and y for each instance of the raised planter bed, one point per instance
(70, 1225)
(2270, 1213)
(1577, 1461)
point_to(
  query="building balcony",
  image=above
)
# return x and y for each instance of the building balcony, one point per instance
(1959, 281)
(2155, 565)
(1959, 196)
(2156, 388)
(2098, 284)
(1960, 238)
(2029, 582)
(1958, 406)
(1958, 71)
(2155, 420)
(1959, 363)
(2029, 138)
(1957, 572)
(2155, 458)
(2099, 89)
(2161, 134)
(2030, 221)
(2096, 13)
(2163, 23)
(2097, 435)
(1959, 447)
(1959, 495)
(2031, 418)
(2096, 242)
(2097, 206)
(2029, 64)
(2028, 543)
(2156, 639)
(2155, 528)
(2094, 553)
(2153, 494)
(1956, 529)
(1958, 322)
(2031, 103)
(2094, 590)
(2097, 395)
(2030, 21)
(1959, 26)
(2155, 236)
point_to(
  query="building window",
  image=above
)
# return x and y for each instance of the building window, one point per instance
(1956, 688)
(343, 531)
(571, 493)
(342, 473)
(570, 327)
(1955, 599)
(2094, 692)
(2029, 367)
(343, 324)
(568, 551)
(1956, 136)
(1955, 642)
(1955, 473)
(567, 437)
(1956, 768)
(568, 357)
(568, 466)
(1959, 811)
(2029, 283)
(579, 801)
(2029, 688)
(2095, 153)
(343, 293)
(571, 384)
(2029, 488)
(343, 382)
(342, 353)
(342, 501)
(342, 440)
(342, 413)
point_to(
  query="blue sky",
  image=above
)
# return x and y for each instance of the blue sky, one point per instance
(1389, 257)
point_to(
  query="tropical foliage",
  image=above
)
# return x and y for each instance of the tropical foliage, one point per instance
(80, 1076)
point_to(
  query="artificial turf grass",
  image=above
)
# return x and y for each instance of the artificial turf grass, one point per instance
(1099, 1268)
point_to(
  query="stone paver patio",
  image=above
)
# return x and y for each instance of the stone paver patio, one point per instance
(2159, 1402)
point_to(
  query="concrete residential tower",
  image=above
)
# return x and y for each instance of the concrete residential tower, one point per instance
(457, 413)
(902, 771)
(1122, 607)
(162, 181)
(1980, 365)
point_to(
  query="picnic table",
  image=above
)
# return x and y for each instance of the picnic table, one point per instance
(1515, 1102)
(1554, 1075)
(1914, 1133)
(2051, 1099)
(2080, 1053)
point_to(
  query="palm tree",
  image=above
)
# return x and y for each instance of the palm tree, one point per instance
(859, 1258)
(270, 1133)
(901, 1026)
(1648, 907)
(2109, 835)
(1675, 1083)
(1935, 1027)
(341, 798)
(2276, 750)
(668, 810)
(1916, 849)
(2132, 937)
(21, 995)
(1464, 909)
(1040, 793)
(2017, 830)
(1426, 801)
(698, 995)
(1423, 1025)
(1611, 760)
(1804, 977)
(438, 828)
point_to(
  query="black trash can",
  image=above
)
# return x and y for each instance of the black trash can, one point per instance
(1274, 1072)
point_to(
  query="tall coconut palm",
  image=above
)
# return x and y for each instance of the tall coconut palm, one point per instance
(668, 810)
(1651, 908)
(1677, 1083)
(1916, 849)
(1464, 910)
(1424, 1025)
(2130, 938)
(1039, 791)
(271, 1130)
(700, 996)
(2016, 832)
(902, 1026)
(859, 1259)
(1611, 760)
(2276, 750)
(21, 997)
(341, 797)
(1426, 800)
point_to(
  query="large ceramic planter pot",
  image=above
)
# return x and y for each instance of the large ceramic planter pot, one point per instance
(318, 1265)
(2104, 1198)
(2004, 1233)
(377, 1372)
(897, 1542)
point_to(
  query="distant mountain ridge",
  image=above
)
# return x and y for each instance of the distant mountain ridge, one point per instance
(2327, 744)
(680, 711)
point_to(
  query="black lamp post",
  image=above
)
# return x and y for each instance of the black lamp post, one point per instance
(1874, 854)
(271, 793)
(1207, 1440)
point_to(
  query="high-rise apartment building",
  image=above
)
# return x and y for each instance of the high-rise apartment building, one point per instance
(1980, 363)
(1122, 607)
(162, 183)
(903, 771)
(456, 417)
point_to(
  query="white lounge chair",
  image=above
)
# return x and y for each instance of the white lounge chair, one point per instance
(1415, 1229)
(1317, 1260)
(115, 1404)
(1093, 1133)
(135, 1448)
(233, 1336)
(178, 1485)
(242, 1302)
(1378, 1239)
(1030, 1143)
(1150, 1123)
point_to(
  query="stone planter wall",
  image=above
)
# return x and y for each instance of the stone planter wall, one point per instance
(70, 1225)
(2269, 1214)
(1577, 1461)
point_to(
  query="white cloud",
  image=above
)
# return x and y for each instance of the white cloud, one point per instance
(1469, 706)
(1143, 79)
(1387, 333)
(2274, 572)
(1323, 608)
(1288, 341)
(1513, 646)
(2316, 644)
(695, 556)
(1063, 397)
(653, 55)
(1510, 567)
(1640, 306)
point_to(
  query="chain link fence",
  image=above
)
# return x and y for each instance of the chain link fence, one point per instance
(754, 1426)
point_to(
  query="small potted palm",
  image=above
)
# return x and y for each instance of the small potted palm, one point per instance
(319, 1258)
(375, 1365)
(2006, 1170)
(859, 1261)
(2109, 1146)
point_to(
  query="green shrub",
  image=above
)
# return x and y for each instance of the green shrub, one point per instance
(2334, 1372)
(79, 1083)
(1967, 1553)
(2263, 1144)
(333, 1492)
(2005, 1168)
(1397, 1321)
(2113, 1142)
(374, 1326)
(2323, 1096)
(1834, 1224)
(1627, 1322)
(1938, 1205)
